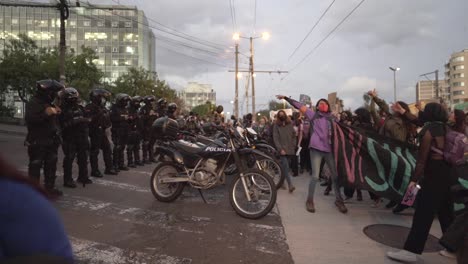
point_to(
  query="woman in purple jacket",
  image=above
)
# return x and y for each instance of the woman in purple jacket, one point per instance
(320, 147)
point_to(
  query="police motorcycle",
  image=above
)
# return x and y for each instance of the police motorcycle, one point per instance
(270, 164)
(252, 192)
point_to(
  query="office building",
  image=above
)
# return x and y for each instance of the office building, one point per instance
(426, 90)
(119, 34)
(197, 94)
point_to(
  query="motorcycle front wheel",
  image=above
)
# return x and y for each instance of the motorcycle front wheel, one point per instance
(165, 192)
(252, 194)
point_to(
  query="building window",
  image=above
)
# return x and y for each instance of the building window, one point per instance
(86, 23)
(459, 92)
(72, 23)
(115, 24)
(130, 50)
(456, 101)
(100, 23)
(457, 84)
(101, 49)
(14, 21)
(458, 59)
(115, 74)
(128, 62)
(115, 36)
(73, 36)
(128, 24)
(459, 67)
(458, 75)
(29, 21)
(115, 62)
(115, 49)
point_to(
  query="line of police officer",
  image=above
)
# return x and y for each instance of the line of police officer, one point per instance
(87, 130)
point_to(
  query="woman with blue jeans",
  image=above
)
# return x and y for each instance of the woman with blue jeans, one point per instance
(320, 147)
(285, 141)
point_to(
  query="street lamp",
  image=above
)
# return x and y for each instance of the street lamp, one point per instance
(394, 69)
(237, 37)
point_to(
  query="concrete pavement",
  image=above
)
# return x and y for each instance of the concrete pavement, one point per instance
(327, 236)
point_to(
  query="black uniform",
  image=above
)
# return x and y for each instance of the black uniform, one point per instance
(134, 136)
(43, 137)
(120, 130)
(100, 121)
(148, 116)
(75, 134)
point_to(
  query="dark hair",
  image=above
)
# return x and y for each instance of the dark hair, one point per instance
(434, 112)
(278, 121)
(459, 121)
(363, 115)
(325, 101)
(11, 173)
(404, 106)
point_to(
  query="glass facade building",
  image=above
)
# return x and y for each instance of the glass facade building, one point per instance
(119, 34)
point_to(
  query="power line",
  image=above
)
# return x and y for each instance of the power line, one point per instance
(255, 17)
(215, 45)
(312, 29)
(187, 45)
(157, 28)
(195, 58)
(232, 16)
(234, 13)
(326, 37)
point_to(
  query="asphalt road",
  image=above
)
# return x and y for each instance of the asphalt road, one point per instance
(117, 220)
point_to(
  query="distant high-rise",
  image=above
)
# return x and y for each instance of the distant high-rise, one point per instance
(426, 90)
(119, 34)
(456, 74)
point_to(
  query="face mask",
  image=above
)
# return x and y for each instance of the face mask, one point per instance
(282, 118)
(323, 108)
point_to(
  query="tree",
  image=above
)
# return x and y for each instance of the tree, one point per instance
(81, 72)
(23, 63)
(136, 81)
(19, 66)
(274, 105)
(204, 109)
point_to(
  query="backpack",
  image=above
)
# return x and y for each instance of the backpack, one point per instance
(455, 146)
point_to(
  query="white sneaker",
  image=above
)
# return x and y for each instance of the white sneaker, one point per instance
(403, 256)
(447, 254)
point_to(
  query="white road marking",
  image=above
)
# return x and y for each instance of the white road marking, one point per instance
(98, 253)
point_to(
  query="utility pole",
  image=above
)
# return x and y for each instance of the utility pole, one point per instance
(247, 95)
(438, 93)
(64, 13)
(236, 99)
(252, 75)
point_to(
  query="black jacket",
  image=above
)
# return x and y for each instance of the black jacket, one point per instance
(42, 129)
(100, 118)
(120, 126)
(73, 122)
(148, 116)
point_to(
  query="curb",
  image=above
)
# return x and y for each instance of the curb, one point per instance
(18, 133)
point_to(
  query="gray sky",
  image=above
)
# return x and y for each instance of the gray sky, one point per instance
(418, 36)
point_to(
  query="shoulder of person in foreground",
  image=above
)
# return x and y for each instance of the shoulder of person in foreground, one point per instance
(30, 225)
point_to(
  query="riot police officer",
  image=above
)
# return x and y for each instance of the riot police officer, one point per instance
(75, 134)
(43, 137)
(134, 137)
(161, 107)
(120, 129)
(99, 131)
(172, 111)
(148, 116)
